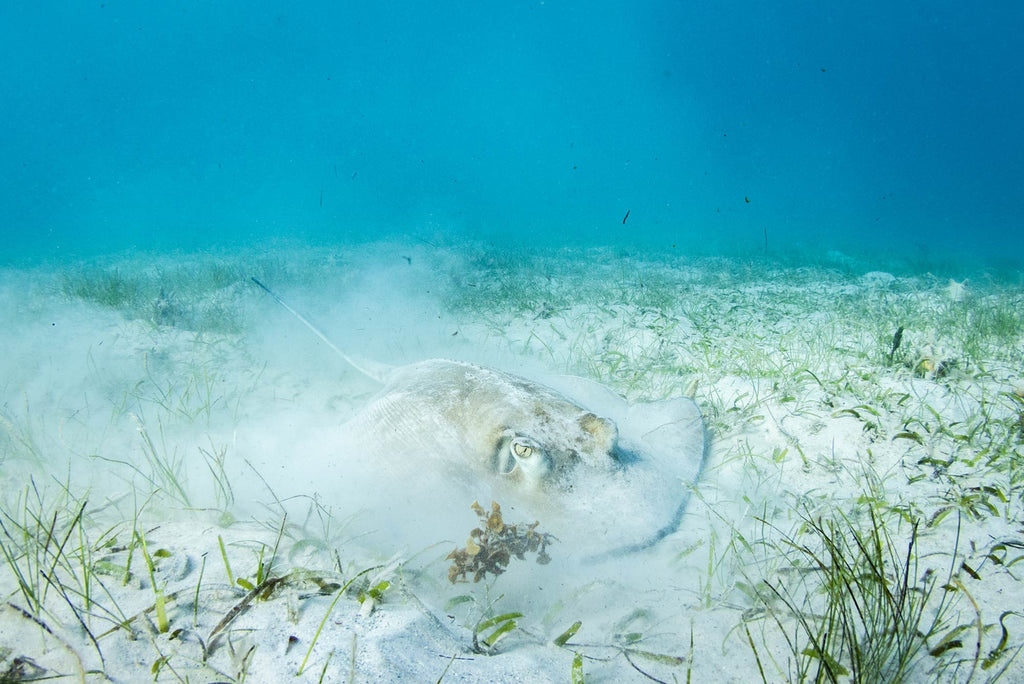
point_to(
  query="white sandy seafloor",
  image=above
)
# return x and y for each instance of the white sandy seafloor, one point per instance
(164, 423)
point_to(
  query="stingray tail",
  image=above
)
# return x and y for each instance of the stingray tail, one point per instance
(374, 371)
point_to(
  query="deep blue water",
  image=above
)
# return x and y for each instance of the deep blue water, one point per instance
(864, 127)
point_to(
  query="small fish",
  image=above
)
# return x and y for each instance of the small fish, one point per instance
(897, 339)
(625, 217)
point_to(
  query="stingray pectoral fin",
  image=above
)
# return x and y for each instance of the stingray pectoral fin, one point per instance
(666, 449)
(584, 391)
(669, 433)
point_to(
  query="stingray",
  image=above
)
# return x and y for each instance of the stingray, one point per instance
(605, 476)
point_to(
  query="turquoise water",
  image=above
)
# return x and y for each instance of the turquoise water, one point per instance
(728, 127)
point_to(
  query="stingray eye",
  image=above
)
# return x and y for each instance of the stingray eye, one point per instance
(522, 450)
(522, 459)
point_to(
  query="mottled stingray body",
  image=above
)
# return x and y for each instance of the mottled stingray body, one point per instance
(492, 422)
(604, 476)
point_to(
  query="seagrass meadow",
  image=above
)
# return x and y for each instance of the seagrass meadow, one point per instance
(173, 503)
